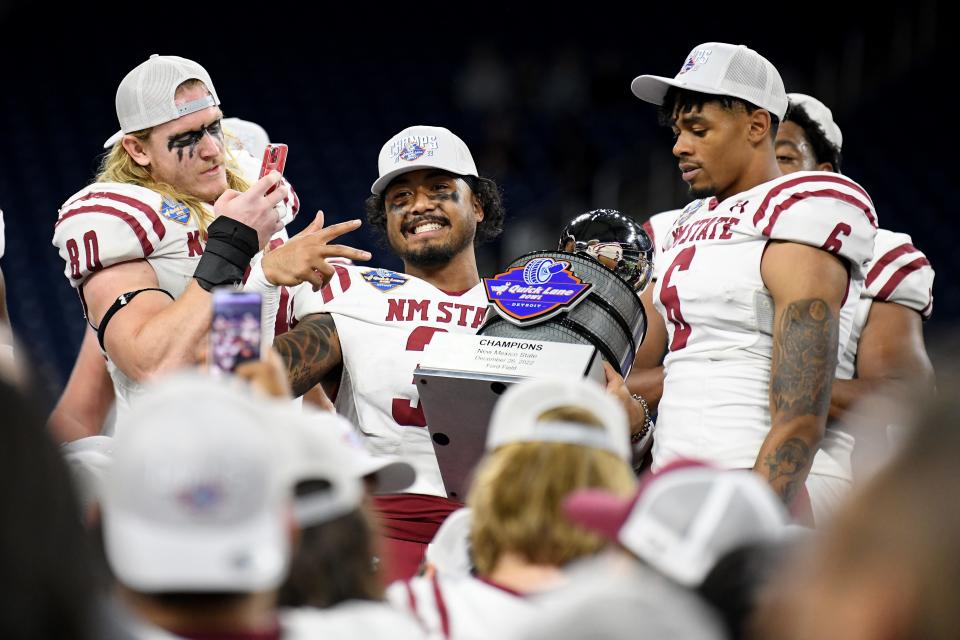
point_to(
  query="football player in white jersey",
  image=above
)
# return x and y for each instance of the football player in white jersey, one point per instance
(367, 327)
(758, 280)
(886, 343)
(169, 218)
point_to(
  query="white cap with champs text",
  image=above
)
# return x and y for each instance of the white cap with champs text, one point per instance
(146, 96)
(422, 147)
(724, 70)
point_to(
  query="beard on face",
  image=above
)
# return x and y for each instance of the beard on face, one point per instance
(702, 192)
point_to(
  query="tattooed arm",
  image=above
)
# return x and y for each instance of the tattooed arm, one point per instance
(310, 351)
(807, 285)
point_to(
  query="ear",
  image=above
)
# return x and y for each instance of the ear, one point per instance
(477, 206)
(137, 150)
(759, 123)
(826, 166)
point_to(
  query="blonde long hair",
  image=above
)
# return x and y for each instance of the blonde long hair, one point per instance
(518, 491)
(118, 166)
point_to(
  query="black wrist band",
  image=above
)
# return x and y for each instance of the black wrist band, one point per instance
(230, 246)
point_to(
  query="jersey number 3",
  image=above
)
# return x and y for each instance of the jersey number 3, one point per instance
(405, 412)
(671, 300)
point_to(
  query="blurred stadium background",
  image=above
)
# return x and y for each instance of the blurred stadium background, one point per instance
(541, 97)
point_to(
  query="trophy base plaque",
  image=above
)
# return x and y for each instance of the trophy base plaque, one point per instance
(460, 378)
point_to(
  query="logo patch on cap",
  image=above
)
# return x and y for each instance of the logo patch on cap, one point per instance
(697, 58)
(201, 497)
(384, 279)
(410, 148)
(176, 211)
(535, 291)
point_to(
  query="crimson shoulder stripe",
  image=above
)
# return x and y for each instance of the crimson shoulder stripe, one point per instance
(886, 259)
(441, 607)
(139, 205)
(820, 193)
(898, 277)
(780, 188)
(649, 229)
(132, 222)
(344, 276)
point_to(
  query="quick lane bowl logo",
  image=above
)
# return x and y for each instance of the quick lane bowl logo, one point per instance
(176, 211)
(201, 497)
(411, 148)
(535, 291)
(688, 211)
(384, 279)
(697, 57)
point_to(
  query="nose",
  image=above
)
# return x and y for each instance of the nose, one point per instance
(421, 202)
(681, 146)
(209, 146)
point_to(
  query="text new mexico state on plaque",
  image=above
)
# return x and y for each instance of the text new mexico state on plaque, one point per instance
(460, 378)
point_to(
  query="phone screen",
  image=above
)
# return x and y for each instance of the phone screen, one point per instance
(235, 332)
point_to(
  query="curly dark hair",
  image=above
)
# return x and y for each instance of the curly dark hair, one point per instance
(823, 149)
(686, 100)
(486, 190)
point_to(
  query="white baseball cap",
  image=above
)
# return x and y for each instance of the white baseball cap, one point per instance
(146, 95)
(326, 439)
(422, 147)
(721, 69)
(516, 416)
(685, 518)
(198, 495)
(819, 113)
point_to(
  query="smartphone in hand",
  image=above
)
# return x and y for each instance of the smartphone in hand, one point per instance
(235, 332)
(274, 159)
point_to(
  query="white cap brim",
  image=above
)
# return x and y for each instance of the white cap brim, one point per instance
(390, 474)
(153, 558)
(114, 139)
(654, 89)
(381, 183)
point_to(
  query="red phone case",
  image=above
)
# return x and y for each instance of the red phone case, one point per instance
(274, 159)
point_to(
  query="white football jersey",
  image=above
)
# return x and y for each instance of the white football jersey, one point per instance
(109, 223)
(384, 320)
(898, 273)
(348, 621)
(719, 315)
(462, 607)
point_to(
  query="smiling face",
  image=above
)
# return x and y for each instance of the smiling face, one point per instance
(432, 217)
(187, 153)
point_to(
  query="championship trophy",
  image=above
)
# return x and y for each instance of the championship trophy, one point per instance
(551, 313)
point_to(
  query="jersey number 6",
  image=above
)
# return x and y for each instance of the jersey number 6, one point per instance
(671, 300)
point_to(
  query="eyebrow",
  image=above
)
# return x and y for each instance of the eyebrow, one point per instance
(689, 119)
(403, 179)
(789, 143)
(198, 130)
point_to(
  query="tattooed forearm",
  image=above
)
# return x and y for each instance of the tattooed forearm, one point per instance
(804, 361)
(310, 351)
(787, 467)
(801, 376)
